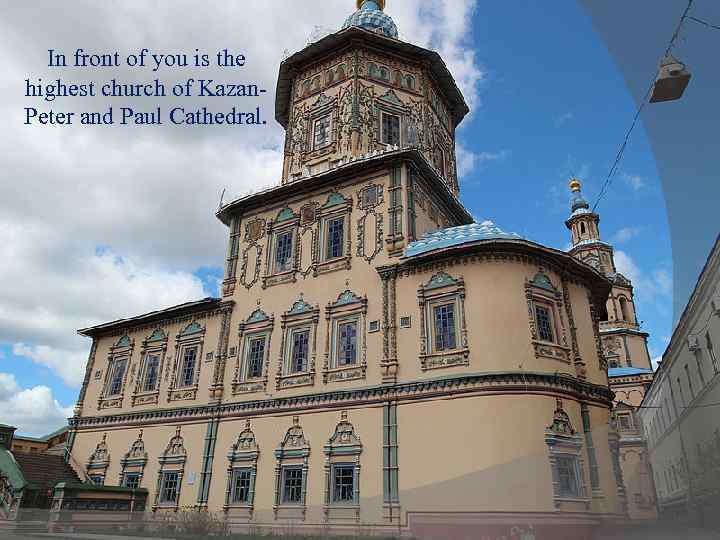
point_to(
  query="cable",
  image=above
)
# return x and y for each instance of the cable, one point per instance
(703, 22)
(621, 151)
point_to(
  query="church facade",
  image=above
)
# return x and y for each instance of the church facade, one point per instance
(377, 363)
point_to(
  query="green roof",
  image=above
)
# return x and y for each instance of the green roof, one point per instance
(9, 466)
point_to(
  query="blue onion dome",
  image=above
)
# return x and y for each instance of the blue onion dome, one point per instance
(370, 16)
(577, 201)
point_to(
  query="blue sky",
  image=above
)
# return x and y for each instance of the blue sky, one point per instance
(551, 104)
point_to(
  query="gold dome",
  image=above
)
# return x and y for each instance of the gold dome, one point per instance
(380, 3)
(575, 185)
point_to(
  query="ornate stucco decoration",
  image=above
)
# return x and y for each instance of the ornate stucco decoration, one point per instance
(344, 447)
(251, 266)
(286, 220)
(336, 206)
(134, 461)
(442, 289)
(370, 224)
(243, 455)
(565, 447)
(294, 451)
(172, 460)
(121, 351)
(154, 349)
(348, 308)
(192, 337)
(99, 461)
(301, 316)
(540, 290)
(258, 326)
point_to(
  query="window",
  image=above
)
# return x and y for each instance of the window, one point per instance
(405, 322)
(334, 238)
(131, 480)
(543, 317)
(374, 326)
(241, 482)
(347, 344)
(689, 380)
(343, 484)
(321, 131)
(567, 476)
(390, 129)
(117, 374)
(625, 421)
(444, 317)
(255, 357)
(152, 364)
(292, 488)
(97, 480)
(283, 251)
(624, 309)
(187, 371)
(299, 355)
(711, 351)
(169, 488)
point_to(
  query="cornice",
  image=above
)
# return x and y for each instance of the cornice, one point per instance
(471, 384)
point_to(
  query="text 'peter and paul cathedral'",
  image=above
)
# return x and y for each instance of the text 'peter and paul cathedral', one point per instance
(378, 362)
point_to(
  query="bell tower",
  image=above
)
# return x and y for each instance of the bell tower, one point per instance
(624, 343)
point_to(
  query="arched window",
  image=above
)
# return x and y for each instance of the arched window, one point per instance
(384, 74)
(582, 228)
(410, 82)
(624, 309)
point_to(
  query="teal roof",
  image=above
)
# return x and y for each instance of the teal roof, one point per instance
(628, 371)
(456, 236)
(9, 466)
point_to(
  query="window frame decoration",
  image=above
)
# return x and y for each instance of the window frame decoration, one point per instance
(134, 461)
(243, 455)
(99, 461)
(336, 206)
(293, 452)
(156, 344)
(301, 315)
(254, 232)
(192, 336)
(121, 351)
(285, 221)
(259, 325)
(391, 104)
(440, 290)
(343, 449)
(540, 291)
(369, 212)
(564, 443)
(324, 106)
(172, 461)
(348, 308)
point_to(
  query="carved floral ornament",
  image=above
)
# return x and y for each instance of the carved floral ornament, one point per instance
(137, 450)
(294, 437)
(561, 424)
(245, 441)
(101, 454)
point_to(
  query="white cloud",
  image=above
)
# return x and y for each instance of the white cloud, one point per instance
(467, 160)
(34, 411)
(634, 181)
(649, 286)
(148, 194)
(563, 119)
(625, 235)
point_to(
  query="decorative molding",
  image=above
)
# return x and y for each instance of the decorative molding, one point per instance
(344, 447)
(260, 325)
(540, 289)
(172, 459)
(193, 335)
(300, 314)
(347, 307)
(294, 450)
(521, 382)
(134, 461)
(243, 454)
(99, 460)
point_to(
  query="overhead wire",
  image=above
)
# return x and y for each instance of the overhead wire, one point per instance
(626, 140)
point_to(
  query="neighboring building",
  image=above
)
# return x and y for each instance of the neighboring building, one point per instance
(680, 410)
(625, 347)
(377, 362)
(53, 443)
(27, 478)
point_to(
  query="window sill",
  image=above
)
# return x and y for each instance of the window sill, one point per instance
(445, 359)
(146, 398)
(279, 278)
(333, 265)
(183, 394)
(110, 402)
(295, 380)
(250, 386)
(551, 350)
(345, 373)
